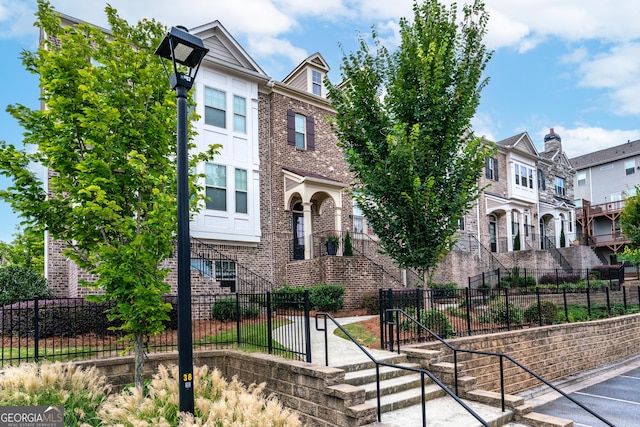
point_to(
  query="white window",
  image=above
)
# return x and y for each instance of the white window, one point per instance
(491, 168)
(216, 187)
(316, 82)
(560, 186)
(523, 176)
(241, 191)
(582, 179)
(239, 114)
(215, 107)
(630, 167)
(301, 131)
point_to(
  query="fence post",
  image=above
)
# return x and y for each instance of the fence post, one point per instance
(566, 309)
(419, 296)
(557, 279)
(238, 316)
(608, 301)
(390, 321)
(539, 306)
(624, 298)
(36, 330)
(269, 324)
(588, 299)
(506, 303)
(383, 318)
(468, 292)
(307, 325)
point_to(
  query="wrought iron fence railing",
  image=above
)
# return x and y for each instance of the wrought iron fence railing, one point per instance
(465, 312)
(74, 329)
(518, 277)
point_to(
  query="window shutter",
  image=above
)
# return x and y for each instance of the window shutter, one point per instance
(495, 168)
(291, 128)
(487, 167)
(311, 134)
(544, 180)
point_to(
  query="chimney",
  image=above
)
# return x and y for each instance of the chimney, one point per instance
(552, 141)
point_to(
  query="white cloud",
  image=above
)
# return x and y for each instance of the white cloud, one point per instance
(577, 56)
(16, 19)
(580, 140)
(484, 126)
(264, 47)
(617, 71)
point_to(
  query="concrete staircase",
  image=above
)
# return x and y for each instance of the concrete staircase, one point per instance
(401, 403)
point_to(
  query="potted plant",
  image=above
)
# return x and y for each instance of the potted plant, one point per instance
(332, 243)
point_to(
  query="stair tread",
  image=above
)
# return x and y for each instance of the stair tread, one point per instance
(406, 395)
(383, 370)
(394, 382)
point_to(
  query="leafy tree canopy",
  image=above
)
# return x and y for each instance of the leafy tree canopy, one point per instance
(403, 120)
(630, 225)
(26, 250)
(108, 139)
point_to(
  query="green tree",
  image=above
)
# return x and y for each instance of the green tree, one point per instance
(107, 137)
(630, 225)
(403, 120)
(26, 250)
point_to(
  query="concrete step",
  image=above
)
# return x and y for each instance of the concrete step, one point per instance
(370, 375)
(404, 398)
(393, 358)
(446, 412)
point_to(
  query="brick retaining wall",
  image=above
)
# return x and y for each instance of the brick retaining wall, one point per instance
(553, 352)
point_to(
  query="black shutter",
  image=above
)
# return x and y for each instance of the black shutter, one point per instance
(487, 167)
(495, 168)
(291, 128)
(311, 134)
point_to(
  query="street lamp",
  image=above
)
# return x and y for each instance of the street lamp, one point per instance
(188, 51)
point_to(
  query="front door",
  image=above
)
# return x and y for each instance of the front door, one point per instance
(298, 236)
(493, 238)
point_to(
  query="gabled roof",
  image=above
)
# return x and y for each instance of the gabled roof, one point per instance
(315, 61)
(225, 50)
(521, 142)
(629, 149)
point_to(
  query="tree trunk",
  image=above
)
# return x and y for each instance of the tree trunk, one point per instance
(139, 360)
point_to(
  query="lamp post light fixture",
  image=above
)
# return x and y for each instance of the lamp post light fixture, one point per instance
(188, 51)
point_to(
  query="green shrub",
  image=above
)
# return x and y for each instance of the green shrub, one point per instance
(326, 297)
(348, 246)
(371, 302)
(56, 317)
(497, 313)
(444, 290)
(550, 279)
(288, 297)
(18, 284)
(224, 309)
(437, 322)
(547, 314)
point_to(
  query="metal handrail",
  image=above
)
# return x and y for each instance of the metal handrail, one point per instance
(378, 363)
(502, 356)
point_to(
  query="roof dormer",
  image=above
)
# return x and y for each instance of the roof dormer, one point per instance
(309, 76)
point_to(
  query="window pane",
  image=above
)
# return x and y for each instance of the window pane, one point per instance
(630, 167)
(241, 179)
(214, 117)
(241, 191)
(316, 84)
(215, 107)
(217, 199)
(241, 201)
(214, 98)
(239, 114)
(216, 175)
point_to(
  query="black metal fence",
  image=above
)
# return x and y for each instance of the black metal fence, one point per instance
(464, 312)
(74, 329)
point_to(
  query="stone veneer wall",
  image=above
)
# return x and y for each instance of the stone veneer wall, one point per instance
(553, 352)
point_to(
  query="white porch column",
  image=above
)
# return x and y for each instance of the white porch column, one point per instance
(338, 226)
(558, 221)
(521, 226)
(308, 230)
(509, 219)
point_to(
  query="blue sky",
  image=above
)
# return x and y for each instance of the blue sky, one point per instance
(573, 65)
